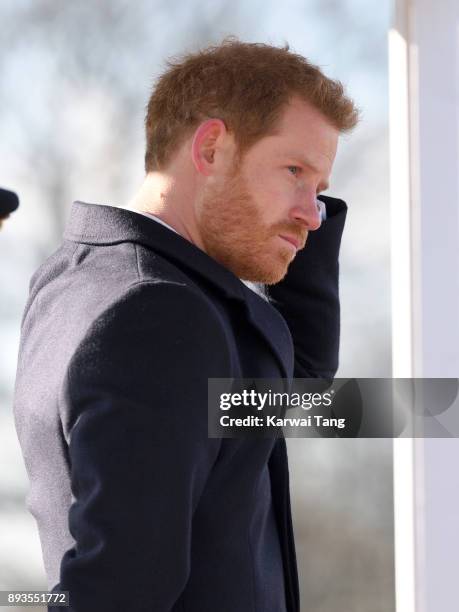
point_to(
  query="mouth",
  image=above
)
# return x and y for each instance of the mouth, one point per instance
(293, 241)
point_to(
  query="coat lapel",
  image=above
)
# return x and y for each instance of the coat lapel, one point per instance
(273, 328)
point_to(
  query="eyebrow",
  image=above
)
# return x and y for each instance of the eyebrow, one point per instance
(305, 162)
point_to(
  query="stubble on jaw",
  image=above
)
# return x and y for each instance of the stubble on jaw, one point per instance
(234, 233)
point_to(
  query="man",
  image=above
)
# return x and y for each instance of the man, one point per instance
(137, 508)
(8, 204)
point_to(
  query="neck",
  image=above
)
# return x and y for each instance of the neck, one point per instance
(162, 195)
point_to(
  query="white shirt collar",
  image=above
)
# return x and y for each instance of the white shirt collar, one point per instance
(154, 217)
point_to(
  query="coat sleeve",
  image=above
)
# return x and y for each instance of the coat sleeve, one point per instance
(135, 418)
(308, 297)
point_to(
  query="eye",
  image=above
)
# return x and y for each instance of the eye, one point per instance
(295, 170)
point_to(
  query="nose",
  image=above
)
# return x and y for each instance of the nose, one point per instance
(308, 214)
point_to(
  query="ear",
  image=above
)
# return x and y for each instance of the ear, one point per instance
(206, 142)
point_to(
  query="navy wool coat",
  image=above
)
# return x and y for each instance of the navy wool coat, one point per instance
(137, 508)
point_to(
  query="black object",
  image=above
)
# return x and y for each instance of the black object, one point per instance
(9, 201)
(124, 325)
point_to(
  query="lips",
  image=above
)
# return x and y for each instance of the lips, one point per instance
(294, 241)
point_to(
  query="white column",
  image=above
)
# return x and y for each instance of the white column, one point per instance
(424, 121)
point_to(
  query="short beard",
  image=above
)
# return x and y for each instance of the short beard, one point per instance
(234, 234)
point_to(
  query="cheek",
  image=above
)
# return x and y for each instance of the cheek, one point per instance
(272, 197)
(278, 200)
(273, 191)
(285, 188)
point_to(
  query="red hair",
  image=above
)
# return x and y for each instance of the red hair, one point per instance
(247, 85)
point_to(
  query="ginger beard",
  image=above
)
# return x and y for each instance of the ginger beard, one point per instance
(234, 233)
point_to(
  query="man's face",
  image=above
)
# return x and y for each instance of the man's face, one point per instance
(249, 218)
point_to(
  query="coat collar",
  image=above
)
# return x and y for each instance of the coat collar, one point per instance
(103, 224)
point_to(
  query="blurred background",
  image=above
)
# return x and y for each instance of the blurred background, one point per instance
(74, 82)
